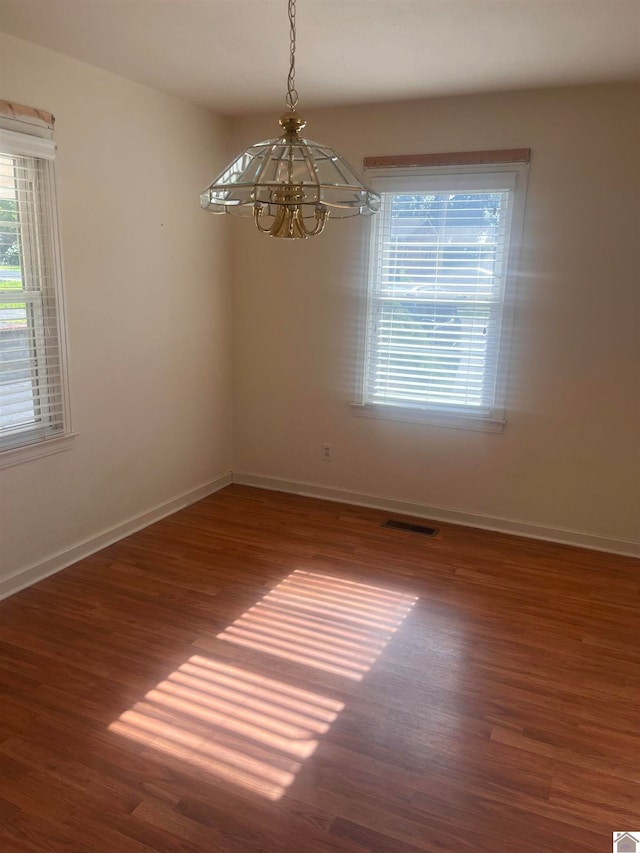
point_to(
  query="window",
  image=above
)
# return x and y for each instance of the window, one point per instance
(442, 256)
(33, 398)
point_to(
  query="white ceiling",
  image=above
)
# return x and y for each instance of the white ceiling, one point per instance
(232, 55)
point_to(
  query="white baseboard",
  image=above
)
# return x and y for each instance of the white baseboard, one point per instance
(485, 522)
(37, 572)
(33, 574)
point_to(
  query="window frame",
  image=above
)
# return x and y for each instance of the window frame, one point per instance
(438, 178)
(21, 139)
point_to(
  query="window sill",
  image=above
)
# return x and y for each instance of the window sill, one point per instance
(454, 420)
(28, 452)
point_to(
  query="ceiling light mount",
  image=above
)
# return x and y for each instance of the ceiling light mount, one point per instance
(290, 185)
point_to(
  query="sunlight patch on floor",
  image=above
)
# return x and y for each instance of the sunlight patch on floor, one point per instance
(242, 727)
(253, 731)
(328, 623)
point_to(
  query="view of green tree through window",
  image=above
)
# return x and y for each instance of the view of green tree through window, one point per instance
(32, 393)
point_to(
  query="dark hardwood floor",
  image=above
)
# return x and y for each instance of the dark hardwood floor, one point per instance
(264, 672)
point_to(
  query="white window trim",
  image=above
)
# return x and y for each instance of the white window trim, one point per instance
(452, 419)
(25, 145)
(33, 144)
(398, 179)
(36, 449)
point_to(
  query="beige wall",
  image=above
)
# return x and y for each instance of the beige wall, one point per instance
(150, 308)
(148, 304)
(568, 457)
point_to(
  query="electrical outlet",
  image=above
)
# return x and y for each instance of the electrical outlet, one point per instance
(326, 452)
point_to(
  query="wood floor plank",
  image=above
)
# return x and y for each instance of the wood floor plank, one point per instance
(268, 673)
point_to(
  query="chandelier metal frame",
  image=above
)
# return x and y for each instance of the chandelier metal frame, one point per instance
(290, 185)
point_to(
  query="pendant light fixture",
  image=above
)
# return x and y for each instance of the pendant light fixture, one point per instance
(290, 185)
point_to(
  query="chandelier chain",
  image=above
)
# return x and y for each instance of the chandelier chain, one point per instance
(292, 94)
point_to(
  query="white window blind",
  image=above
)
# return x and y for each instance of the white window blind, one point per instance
(32, 359)
(440, 259)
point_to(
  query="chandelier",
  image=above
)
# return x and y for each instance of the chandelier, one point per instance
(290, 185)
